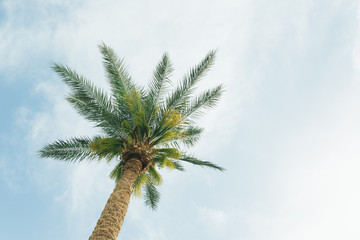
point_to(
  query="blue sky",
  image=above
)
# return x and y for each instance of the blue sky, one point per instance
(287, 129)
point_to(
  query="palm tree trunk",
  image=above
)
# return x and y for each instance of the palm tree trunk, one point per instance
(112, 217)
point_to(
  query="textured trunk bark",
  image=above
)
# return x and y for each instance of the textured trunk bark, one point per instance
(112, 217)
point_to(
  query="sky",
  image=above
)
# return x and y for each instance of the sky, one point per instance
(286, 129)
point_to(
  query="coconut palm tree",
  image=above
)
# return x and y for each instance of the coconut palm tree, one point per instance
(143, 130)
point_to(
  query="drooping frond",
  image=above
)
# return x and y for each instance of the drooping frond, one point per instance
(195, 161)
(166, 162)
(151, 196)
(178, 166)
(205, 100)
(192, 135)
(117, 172)
(72, 150)
(179, 97)
(154, 176)
(162, 161)
(89, 101)
(141, 181)
(119, 79)
(146, 182)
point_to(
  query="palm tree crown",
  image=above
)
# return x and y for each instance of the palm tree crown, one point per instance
(149, 124)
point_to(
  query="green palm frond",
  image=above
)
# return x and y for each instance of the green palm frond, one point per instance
(162, 161)
(177, 102)
(188, 137)
(154, 176)
(82, 89)
(146, 182)
(134, 106)
(71, 150)
(191, 135)
(169, 152)
(167, 128)
(89, 101)
(141, 181)
(151, 196)
(106, 147)
(120, 80)
(117, 172)
(157, 85)
(207, 99)
(179, 97)
(195, 161)
(178, 166)
(166, 162)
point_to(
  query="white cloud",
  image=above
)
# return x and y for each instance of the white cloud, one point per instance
(215, 220)
(153, 234)
(8, 176)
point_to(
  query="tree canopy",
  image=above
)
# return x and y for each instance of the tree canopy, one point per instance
(156, 124)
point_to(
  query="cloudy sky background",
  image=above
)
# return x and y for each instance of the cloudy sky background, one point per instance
(287, 128)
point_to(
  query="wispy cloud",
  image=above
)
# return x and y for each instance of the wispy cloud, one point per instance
(215, 220)
(8, 176)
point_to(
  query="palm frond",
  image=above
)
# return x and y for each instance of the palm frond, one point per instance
(169, 152)
(135, 108)
(195, 161)
(89, 101)
(146, 182)
(141, 181)
(166, 129)
(119, 79)
(177, 102)
(71, 150)
(163, 161)
(207, 99)
(192, 136)
(154, 176)
(168, 163)
(81, 88)
(106, 147)
(151, 196)
(178, 166)
(157, 85)
(117, 172)
(189, 137)
(179, 97)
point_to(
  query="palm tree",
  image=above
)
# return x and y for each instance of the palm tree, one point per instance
(142, 130)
